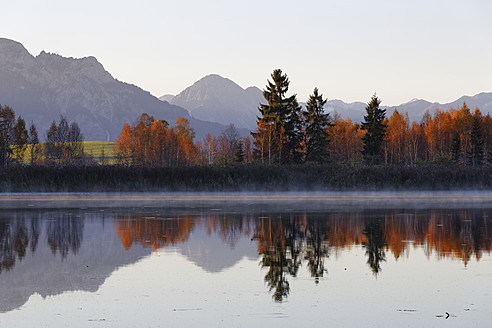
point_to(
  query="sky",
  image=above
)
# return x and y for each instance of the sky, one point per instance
(432, 49)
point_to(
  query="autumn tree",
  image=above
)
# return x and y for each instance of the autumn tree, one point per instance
(123, 146)
(396, 144)
(316, 123)
(248, 152)
(185, 135)
(375, 131)
(345, 140)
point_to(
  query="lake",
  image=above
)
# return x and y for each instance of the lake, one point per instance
(239, 260)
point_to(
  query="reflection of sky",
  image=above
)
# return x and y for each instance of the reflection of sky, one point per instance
(165, 289)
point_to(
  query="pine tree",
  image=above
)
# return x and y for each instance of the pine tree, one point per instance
(34, 144)
(316, 124)
(239, 153)
(279, 127)
(456, 147)
(21, 137)
(7, 122)
(475, 155)
(375, 131)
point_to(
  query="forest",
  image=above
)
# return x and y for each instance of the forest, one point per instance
(292, 148)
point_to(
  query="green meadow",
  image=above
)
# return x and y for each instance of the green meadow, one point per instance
(101, 151)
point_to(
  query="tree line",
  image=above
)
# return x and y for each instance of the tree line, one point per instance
(286, 134)
(64, 142)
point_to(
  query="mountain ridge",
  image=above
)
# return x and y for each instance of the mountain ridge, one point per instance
(43, 87)
(195, 100)
(222, 99)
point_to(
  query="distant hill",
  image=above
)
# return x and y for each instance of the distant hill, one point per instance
(167, 97)
(415, 108)
(220, 100)
(44, 87)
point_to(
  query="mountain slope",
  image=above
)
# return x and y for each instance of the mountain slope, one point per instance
(221, 100)
(44, 87)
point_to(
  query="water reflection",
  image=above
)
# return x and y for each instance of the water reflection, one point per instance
(83, 247)
(286, 242)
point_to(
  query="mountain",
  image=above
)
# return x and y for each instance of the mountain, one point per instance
(218, 99)
(355, 111)
(221, 100)
(166, 97)
(415, 108)
(44, 87)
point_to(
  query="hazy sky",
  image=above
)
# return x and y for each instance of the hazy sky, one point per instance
(435, 50)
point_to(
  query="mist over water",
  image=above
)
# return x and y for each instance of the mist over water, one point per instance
(291, 200)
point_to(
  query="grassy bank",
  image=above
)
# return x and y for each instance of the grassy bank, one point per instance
(247, 178)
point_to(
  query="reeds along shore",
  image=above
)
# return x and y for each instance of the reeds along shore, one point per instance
(426, 176)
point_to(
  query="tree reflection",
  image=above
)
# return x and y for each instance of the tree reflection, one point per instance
(19, 232)
(374, 245)
(153, 232)
(21, 238)
(279, 243)
(65, 234)
(316, 248)
(7, 255)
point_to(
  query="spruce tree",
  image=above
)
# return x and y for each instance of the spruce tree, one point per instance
(7, 122)
(21, 137)
(316, 124)
(35, 149)
(278, 127)
(475, 155)
(456, 147)
(239, 153)
(375, 131)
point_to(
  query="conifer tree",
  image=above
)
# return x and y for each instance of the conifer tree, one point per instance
(278, 132)
(456, 147)
(375, 131)
(21, 137)
(239, 153)
(35, 149)
(7, 122)
(475, 156)
(316, 124)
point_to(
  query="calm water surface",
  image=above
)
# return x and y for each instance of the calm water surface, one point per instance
(161, 260)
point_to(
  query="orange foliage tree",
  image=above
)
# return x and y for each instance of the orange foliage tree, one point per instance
(149, 142)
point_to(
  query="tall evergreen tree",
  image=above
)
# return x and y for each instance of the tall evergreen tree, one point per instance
(475, 155)
(456, 147)
(239, 153)
(316, 124)
(34, 143)
(375, 131)
(21, 138)
(279, 127)
(7, 122)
